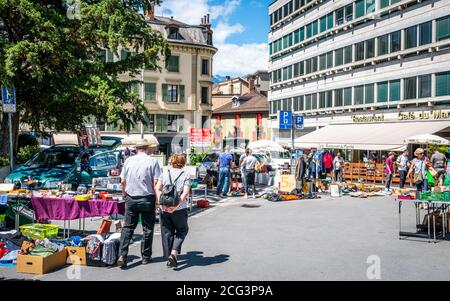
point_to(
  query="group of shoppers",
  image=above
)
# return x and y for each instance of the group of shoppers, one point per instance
(143, 183)
(417, 167)
(247, 166)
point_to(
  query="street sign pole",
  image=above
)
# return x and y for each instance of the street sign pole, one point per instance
(11, 149)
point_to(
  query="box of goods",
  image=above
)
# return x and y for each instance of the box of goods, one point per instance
(76, 255)
(39, 231)
(40, 265)
(83, 198)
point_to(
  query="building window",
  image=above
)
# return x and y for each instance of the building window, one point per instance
(369, 93)
(348, 54)
(314, 101)
(425, 33)
(301, 106)
(339, 57)
(425, 86)
(205, 67)
(124, 54)
(349, 12)
(330, 21)
(287, 73)
(322, 100)
(173, 93)
(174, 33)
(443, 83)
(134, 88)
(172, 123)
(323, 62)
(173, 64)
(359, 9)
(205, 95)
(382, 89)
(370, 6)
(396, 38)
(359, 95)
(340, 16)
(315, 28)
(370, 49)
(161, 123)
(411, 37)
(443, 28)
(298, 69)
(329, 56)
(338, 98)
(383, 45)
(149, 124)
(348, 96)
(359, 51)
(308, 102)
(150, 91)
(394, 90)
(323, 24)
(409, 87)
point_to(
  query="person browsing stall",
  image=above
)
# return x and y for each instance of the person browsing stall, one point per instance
(140, 175)
(403, 166)
(224, 163)
(249, 165)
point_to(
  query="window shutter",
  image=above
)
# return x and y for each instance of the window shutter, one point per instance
(165, 94)
(182, 97)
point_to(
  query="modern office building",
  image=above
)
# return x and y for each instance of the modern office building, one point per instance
(179, 96)
(370, 71)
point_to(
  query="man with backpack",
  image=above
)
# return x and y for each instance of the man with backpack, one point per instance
(140, 175)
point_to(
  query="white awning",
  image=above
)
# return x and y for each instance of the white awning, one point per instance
(65, 138)
(373, 136)
(133, 139)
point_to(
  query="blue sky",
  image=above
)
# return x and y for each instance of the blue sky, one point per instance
(240, 30)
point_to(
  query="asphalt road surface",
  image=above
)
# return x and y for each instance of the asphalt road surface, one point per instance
(324, 239)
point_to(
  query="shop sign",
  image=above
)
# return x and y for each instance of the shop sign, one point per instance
(336, 146)
(288, 183)
(200, 137)
(425, 115)
(368, 118)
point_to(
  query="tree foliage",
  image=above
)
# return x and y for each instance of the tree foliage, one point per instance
(52, 60)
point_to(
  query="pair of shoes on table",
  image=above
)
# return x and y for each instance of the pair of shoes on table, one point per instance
(172, 262)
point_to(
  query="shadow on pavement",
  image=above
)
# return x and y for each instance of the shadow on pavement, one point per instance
(196, 258)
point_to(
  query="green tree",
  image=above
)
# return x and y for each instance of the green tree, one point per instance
(54, 64)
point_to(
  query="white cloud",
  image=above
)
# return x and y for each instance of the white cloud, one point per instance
(231, 59)
(223, 30)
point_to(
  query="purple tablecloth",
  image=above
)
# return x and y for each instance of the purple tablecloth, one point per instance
(69, 209)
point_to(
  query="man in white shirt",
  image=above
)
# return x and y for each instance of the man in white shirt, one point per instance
(248, 165)
(140, 175)
(403, 167)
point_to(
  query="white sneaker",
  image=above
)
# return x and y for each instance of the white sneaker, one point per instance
(246, 196)
(254, 196)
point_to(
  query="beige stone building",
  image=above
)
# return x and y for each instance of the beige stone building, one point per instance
(179, 96)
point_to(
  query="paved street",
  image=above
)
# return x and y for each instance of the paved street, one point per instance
(324, 239)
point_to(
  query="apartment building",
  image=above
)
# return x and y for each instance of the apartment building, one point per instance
(370, 71)
(179, 96)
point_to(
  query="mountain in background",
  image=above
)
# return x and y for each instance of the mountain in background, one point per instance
(218, 78)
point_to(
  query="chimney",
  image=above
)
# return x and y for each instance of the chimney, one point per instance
(230, 87)
(251, 85)
(150, 9)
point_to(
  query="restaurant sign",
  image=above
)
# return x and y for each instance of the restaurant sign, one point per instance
(403, 116)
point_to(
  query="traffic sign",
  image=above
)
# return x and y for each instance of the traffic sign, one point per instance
(285, 120)
(299, 122)
(8, 100)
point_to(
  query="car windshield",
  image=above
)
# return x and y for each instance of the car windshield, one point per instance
(279, 155)
(53, 158)
(211, 158)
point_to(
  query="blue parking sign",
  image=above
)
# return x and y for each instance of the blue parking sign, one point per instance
(285, 120)
(8, 100)
(299, 122)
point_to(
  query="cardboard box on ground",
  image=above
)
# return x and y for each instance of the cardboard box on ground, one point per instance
(40, 265)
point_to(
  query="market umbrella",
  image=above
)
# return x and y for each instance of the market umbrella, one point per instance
(266, 145)
(427, 139)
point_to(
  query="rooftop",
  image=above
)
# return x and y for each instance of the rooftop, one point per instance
(252, 102)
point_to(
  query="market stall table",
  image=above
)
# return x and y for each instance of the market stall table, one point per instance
(67, 209)
(431, 221)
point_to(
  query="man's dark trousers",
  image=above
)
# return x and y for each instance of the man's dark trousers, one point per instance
(145, 206)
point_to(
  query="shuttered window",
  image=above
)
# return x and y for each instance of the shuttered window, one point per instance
(150, 91)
